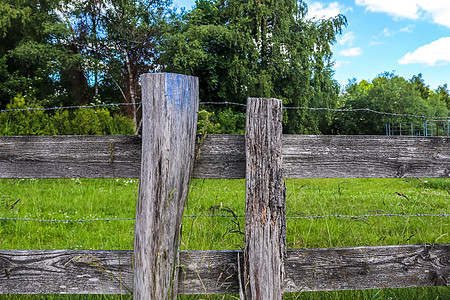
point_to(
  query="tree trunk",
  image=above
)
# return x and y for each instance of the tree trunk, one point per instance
(131, 84)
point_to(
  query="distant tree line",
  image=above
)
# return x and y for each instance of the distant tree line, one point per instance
(392, 94)
(75, 52)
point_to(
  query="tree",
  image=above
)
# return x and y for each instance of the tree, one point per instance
(42, 52)
(242, 49)
(419, 84)
(68, 52)
(443, 93)
(133, 30)
(23, 69)
(386, 93)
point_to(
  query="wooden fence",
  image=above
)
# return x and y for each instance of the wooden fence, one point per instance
(264, 157)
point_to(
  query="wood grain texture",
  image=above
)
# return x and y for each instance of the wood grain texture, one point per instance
(170, 107)
(65, 272)
(216, 272)
(223, 156)
(368, 267)
(220, 156)
(70, 157)
(365, 156)
(265, 201)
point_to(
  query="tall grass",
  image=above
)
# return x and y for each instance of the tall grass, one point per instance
(73, 199)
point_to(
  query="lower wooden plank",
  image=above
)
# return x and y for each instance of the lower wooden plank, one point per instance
(65, 272)
(215, 272)
(368, 268)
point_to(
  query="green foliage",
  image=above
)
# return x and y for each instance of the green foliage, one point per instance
(81, 121)
(62, 53)
(25, 122)
(386, 93)
(444, 95)
(29, 60)
(242, 49)
(232, 122)
(68, 52)
(10, 12)
(206, 123)
(227, 121)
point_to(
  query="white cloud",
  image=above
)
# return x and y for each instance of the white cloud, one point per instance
(376, 43)
(318, 10)
(398, 8)
(340, 63)
(437, 10)
(351, 52)
(408, 28)
(387, 32)
(349, 37)
(435, 53)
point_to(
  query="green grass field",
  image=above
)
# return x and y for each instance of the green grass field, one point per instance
(73, 199)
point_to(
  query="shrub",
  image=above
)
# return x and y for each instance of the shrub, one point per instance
(227, 121)
(81, 121)
(206, 123)
(25, 122)
(232, 122)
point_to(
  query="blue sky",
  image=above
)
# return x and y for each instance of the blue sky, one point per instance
(405, 36)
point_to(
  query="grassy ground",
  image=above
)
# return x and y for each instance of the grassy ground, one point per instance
(116, 198)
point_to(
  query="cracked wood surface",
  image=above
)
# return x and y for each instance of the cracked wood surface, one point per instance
(215, 272)
(223, 156)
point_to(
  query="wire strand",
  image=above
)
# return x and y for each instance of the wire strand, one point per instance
(223, 103)
(64, 221)
(238, 104)
(337, 110)
(368, 110)
(68, 107)
(232, 216)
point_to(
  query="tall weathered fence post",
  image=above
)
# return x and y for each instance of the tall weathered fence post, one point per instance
(170, 106)
(265, 208)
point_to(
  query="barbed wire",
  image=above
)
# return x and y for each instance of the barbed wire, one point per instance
(237, 104)
(68, 107)
(368, 110)
(370, 216)
(338, 110)
(65, 221)
(223, 103)
(335, 216)
(235, 216)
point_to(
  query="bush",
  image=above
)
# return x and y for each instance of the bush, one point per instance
(232, 122)
(81, 121)
(25, 122)
(227, 121)
(206, 123)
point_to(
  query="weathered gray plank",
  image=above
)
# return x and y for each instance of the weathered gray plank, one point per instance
(368, 267)
(170, 105)
(220, 156)
(65, 272)
(215, 272)
(265, 201)
(223, 156)
(70, 157)
(365, 156)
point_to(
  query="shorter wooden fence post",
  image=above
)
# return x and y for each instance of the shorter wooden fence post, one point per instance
(265, 206)
(170, 107)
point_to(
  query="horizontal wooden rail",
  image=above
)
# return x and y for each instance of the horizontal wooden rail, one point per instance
(215, 272)
(223, 156)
